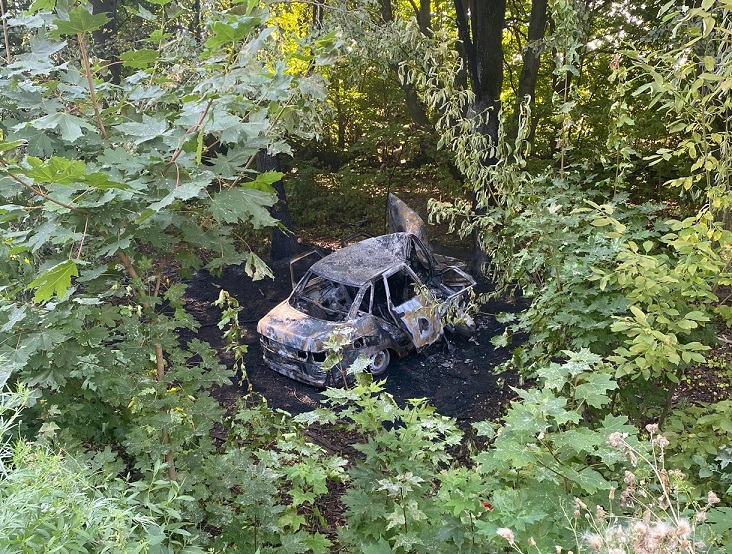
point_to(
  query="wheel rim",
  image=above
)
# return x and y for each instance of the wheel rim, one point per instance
(379, 362)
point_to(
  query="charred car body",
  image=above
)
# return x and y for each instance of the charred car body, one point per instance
(387, 295)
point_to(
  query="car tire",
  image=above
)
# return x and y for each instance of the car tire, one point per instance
(379, 362)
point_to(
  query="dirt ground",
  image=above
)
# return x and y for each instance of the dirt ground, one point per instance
(458, 378)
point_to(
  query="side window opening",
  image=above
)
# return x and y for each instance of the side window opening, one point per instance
(365, 305)
(379, 306)
(402, 287)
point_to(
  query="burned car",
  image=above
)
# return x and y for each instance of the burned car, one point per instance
(386, 295)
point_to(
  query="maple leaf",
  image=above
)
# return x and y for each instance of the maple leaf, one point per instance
(56, 279)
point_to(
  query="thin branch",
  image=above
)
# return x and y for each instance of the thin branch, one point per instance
(83, 235)
(190, 131)
(39, 192)
(90, 81)
(8, 59)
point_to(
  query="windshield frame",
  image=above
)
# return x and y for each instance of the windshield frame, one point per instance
(325, 298)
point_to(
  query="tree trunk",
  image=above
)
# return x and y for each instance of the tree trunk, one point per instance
(318, 12)
(530, 65)
(283, 243)
(196, 23)
(480, 28)
(106, 36)
(415, 107)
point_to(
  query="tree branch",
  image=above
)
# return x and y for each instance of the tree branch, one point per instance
(190, 131)
(39, 192)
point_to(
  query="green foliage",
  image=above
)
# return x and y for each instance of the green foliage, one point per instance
(55, 503)
(557, 444)
(671, 296)
(700, 444)
(402, 496)
(263, 489)
(688, 83)
(551, 447)
(110, 194)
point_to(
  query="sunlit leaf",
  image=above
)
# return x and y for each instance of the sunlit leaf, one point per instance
(243, 204)
(141, 58)
(81, 20)
(55, 280)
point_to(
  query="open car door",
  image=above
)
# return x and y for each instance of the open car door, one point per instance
(413, 307)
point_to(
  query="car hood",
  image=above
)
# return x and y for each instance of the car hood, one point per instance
(295, 329)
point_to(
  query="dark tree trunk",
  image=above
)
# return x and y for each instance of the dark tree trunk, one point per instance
(196, 23)
(318, 12)
(425, 17)
(283, 244)
(387, 12)
(530, 66)
(415, 107)
(105, 37)
(480, 28)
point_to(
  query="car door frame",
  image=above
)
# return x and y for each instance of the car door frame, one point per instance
(419, 316)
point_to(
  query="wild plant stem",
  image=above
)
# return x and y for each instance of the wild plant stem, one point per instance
(159, 354)
(8, 59)
(90, 81)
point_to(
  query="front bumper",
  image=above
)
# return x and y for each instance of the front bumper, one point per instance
(299, 364)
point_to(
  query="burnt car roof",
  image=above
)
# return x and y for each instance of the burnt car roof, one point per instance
(359, 263)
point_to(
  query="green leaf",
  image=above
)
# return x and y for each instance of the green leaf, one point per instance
(185, 191)
(381, 547)
(80, 21)
(720, 519)
(594, 392)
(5, 146)
(102, 182)
(55, 280)
(243, 204)
(39, 142)
(68, 126)
(5, 370)
(148, 129)
(697, 315)
(56, 170)
(139, 59)
(42, 5)
(256, 268)
(554, 375)
(264, 181)
(229, 32)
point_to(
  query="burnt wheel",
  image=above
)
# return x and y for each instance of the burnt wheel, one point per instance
(379, 362)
